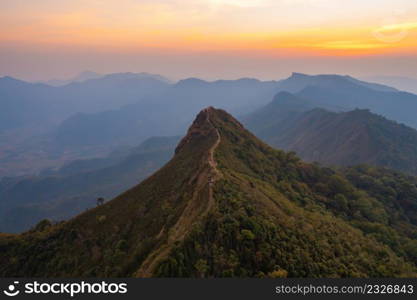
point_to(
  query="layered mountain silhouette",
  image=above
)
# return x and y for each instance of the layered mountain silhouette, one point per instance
(402, 83)
(348, 94)
(83, 76)
(43, 126)
(61, 194)
(28, 104)
(228, 205)
(31, 113)
(167, 114)
(345, 138)
(90, 75)
(181, 101)
(299, 81)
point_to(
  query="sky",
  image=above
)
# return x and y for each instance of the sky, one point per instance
(210, 39)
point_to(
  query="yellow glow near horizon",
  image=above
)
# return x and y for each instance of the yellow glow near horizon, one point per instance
(284, 26)
(241, 3)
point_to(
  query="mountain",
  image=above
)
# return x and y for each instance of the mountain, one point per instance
(44, 127)
(126, 125)
(298, 81)
(31, 113)
(22, 103)
(61, 194)
(27, 104)
(181, 101)
(284, 108)
(228, 205)
(347, 94)
(83, 76)
(167, 114)
(402, 83)
(88, 119)
(112, 91)
(89, 75)
(344, 139)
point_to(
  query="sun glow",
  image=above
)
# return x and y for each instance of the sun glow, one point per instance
(302, 26)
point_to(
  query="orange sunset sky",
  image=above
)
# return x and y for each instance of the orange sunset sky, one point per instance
(211, 39)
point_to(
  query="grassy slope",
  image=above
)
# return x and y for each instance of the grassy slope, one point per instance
(272, 215)
(270, 220)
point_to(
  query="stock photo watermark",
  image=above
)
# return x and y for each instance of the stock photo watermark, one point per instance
(70, 289)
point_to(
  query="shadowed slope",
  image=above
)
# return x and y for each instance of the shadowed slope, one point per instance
(344, 139)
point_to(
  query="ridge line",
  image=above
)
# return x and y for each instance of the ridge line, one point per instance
(148, 266)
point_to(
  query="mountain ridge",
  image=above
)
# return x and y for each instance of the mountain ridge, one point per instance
(335, 138)
(125, 112)
(226, 205)
(212, 175)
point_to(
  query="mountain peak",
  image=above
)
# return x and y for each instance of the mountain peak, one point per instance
(299, 75)
(285, 100)
(200, 128)
(298, 80)
(207, 127)
(12, 80)
(225, 196)
(191, 82)
(284, 95)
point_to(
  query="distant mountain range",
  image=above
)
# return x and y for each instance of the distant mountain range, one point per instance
(344, 139)
(182, 100)
(167, 114)
(61, 194)
(45, 127)
(30, 114)
(27, 104)
(402, 83)
(228, 205)
(83, 76)
(90, 75)
(297, 82)
(346, 93)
